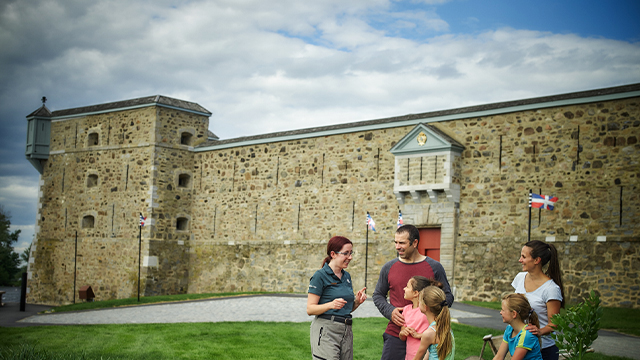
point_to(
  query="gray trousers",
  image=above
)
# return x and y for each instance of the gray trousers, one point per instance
(331, 340)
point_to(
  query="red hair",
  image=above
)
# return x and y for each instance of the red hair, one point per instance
(335, 244)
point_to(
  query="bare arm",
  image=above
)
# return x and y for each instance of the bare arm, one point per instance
(428, 337)
(553, 308)
(502, 351)
(313, 308)
(519, 354)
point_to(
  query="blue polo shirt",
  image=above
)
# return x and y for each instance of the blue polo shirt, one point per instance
(328, 286)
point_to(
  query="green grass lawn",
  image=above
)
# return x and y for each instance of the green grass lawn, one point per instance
(227, 340)
(617, 319)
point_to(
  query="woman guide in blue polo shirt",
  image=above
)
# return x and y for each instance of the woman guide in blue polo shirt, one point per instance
(331, 300)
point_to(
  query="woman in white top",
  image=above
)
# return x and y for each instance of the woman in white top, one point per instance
(544, 290)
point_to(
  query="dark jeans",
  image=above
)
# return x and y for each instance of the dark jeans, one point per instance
(550, 353)
(393, 348)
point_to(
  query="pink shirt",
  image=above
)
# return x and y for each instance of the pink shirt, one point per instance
(414, 318)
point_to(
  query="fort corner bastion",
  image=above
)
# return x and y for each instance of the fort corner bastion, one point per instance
(255, 213)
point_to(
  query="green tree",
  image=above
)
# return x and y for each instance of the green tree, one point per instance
(9, 260)
(24, 257)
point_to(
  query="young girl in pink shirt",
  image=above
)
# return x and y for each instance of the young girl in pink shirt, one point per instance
(415, 321)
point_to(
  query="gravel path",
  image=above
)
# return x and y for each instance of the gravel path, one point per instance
(254, 308)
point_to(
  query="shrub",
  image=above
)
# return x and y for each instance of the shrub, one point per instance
(577, 327)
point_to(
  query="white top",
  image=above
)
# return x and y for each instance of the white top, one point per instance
(538, 299)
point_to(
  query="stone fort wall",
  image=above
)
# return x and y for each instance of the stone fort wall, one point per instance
(257, 217)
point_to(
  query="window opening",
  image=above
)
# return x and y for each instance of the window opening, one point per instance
(184, 181)
(94, 139)
(92, 180)
(88, 222)
(182, 224)
(185, 138)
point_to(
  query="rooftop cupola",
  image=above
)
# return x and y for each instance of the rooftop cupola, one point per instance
(38, 136)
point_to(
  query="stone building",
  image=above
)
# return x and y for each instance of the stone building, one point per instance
(254, 213)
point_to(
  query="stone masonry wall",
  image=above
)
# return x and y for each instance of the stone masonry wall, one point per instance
(587, 156)
(485, 270)
(112, 181)
(549, 150)
(258, 217)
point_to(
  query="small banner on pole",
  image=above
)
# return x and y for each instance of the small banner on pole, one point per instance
(542, 201)
(370, 223)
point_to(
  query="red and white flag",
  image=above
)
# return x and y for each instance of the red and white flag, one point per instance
(370, 222)
(142, 220)
(542, 201)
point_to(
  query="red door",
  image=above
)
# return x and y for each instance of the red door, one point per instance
(430, 243)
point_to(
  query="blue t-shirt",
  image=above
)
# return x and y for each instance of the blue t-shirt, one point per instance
(524, 339)
(328, 286)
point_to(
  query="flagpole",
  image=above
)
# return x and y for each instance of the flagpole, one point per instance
(529, 231)
(539, 211)
(366, 256)
(75, 268)
(139, 251)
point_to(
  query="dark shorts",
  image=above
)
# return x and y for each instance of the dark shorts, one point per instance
(393, 348)
(550, 353)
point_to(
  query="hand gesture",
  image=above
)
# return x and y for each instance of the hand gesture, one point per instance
(338, 303)
(533, 329)
(413, 333)
(396, 316)
(404, 332)
(361, 296)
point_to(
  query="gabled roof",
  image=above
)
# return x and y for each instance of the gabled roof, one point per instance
(581, 97)
(211, 135)
(41, 111)
(133, 103)
(425, 138)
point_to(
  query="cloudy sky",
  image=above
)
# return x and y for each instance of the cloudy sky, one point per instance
(263, 66)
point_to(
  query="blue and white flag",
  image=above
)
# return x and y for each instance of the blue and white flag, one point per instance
(370, 222)
(542, 201)
(142, 220)
(400, 222)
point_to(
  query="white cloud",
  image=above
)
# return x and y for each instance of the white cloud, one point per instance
(271, 66)
(24, 238)
(17, 193)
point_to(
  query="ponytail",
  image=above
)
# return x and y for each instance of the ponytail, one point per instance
(533, 318)
(443, 326)
(434, 298)
(549, 255)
